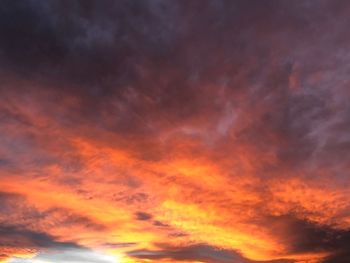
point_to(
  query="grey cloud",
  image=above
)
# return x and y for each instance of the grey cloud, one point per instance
(160, 224)
(19, 237)
(198, 252)
(111, 50)
(303, 236)
(143, 216)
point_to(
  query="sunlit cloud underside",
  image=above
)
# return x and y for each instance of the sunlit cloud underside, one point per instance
(174, 131)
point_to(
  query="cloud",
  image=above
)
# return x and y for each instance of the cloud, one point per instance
(160, 224)
(16, 240)
(27, 238)
(143, 216)
(129, 124)
(69, 255)
(194, 253)
(303, 236)
(197, 252)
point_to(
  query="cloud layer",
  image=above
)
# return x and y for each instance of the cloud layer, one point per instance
(174, 131)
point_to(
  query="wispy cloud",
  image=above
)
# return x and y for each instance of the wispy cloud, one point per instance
(212, 131)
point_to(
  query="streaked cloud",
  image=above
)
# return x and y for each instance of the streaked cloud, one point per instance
(180, 131)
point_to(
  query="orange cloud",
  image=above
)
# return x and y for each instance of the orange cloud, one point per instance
(174, 132)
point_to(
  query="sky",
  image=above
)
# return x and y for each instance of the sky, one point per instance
(182, 131)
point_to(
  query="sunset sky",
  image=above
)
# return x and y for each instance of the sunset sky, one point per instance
(174, 131)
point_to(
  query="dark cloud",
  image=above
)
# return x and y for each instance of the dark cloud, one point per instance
(341, 256)
(198, 252)
(178, 234)
(84, 42)
(19, 237)
(160, 224)
(15, 239)
(143, 216)
(338, 243)
(131, 198)
(23, 227)
(303, 236)
(127, 61)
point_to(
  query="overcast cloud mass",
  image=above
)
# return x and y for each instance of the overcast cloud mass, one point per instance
(190, 131)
